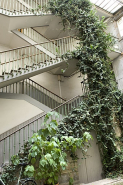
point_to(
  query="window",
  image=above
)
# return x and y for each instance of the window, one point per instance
(109, 5)
(120, 26)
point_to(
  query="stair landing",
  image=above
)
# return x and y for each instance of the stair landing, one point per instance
(118, 181)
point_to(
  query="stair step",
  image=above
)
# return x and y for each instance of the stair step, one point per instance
(1, 78)
(6, 73)
(15, 71)
(23, 70)
(38, 63)
(29, 66)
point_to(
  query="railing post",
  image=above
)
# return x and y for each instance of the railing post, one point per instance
(23, 87)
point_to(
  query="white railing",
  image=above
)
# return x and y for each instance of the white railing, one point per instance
(34, 35)
(36, 91)
(29, 58)
(23, 7)
(57, 47)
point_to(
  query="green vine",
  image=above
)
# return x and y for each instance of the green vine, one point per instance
(102, 109)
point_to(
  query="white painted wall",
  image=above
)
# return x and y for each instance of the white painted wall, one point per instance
(118, 70)
(14, 112)
(90, 169)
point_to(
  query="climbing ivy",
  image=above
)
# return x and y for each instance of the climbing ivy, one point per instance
(102, 109)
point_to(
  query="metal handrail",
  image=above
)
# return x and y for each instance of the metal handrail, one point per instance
(21, 58)
(39, 54)
(40, 34)
(35, 44)
(47, 89)
(40, 117)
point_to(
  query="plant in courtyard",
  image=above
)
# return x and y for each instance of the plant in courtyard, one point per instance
(102, 110)
(48, 154)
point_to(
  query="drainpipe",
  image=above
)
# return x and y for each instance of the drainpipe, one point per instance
(59, 80)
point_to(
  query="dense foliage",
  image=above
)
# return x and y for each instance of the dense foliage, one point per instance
(102, 109)
(46, 154)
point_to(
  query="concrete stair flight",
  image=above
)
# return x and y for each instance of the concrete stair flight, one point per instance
(35, 91)
(25, 62)
(20, 63)
(34, 36)
(32, 42)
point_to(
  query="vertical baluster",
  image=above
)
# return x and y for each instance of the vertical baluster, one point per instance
(19, 140)
(6, 6)
(65, 46)
(14, 88)
(14, 143)
(16, 7)
(4, 150)
(55, 102)
(57, 47)
(9, 149)
(28, 133)
(33, 127)
(33, 90)
(9, 68)
(71, 43)
(26, 9)
(36, 57)
(29, 88)
(32, 34)
(47, 99)
(0, 4)
(1, 63)
(59, 52)
(26, 60)
(23, 135)
(37, 125)
(14, 62)
(31, 3)
(29, 57)
(19, 8)
(43, 58)
(54, 47)
(22, 8)
(6, 89)
(62, 47)
(5, 66)
(67, 43)
(25, 85)
(43, 97)
(40, 94)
